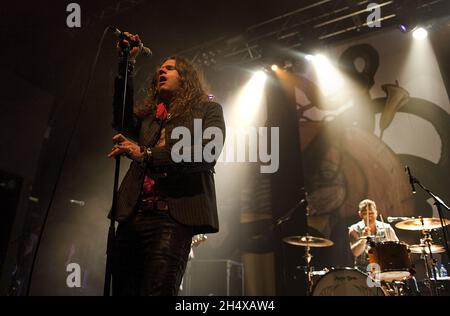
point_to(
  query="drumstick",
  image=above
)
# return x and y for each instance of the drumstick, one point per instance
(384, 226)
(368, 221)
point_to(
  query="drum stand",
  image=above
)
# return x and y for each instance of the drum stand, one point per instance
(306, 241)
(309, 283)
(393, 288)
(424, 257)
(427, 240)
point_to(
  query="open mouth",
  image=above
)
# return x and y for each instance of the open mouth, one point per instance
(162, 79)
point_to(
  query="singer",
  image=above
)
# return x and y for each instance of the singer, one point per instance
(368, 227)
(161, 204)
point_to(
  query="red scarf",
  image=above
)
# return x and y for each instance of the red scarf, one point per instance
(149, 183)
(161, 111)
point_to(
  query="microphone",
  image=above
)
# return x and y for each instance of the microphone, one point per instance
(391, 219)
(144, 50)
(411, 179)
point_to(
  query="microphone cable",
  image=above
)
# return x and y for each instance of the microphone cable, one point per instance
(65, 155)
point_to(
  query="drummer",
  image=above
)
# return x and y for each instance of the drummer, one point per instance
(368, 227)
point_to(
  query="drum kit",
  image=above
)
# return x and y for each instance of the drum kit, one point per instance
(390, 269)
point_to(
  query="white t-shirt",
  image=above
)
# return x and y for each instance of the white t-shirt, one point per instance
(385, 232)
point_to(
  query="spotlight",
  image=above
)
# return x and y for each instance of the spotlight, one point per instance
(274, 67)
(407, 24)
(259, 75)
(319, 58)
(309, 57)
(420, 33)
(403, 28)
(250, 99)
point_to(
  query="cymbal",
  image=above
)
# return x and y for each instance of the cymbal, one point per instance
(306, 241)
(419, 249)
(416, 223)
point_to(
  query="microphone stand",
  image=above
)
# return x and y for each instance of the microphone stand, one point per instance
(290, 213)
(307, 255)
(428, 241)
(112, 227)
(439, 205)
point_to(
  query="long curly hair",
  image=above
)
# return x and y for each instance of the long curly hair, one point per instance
(189, 97)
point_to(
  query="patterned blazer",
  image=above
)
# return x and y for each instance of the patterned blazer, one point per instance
(188, 186)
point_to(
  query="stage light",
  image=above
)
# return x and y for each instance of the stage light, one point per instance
(403, 28)
(259, 77)
(274, 67)
(329, 78)
(420, 33)
(249, 99)
(309, 58)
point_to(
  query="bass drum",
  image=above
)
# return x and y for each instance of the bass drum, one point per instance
(345, 282)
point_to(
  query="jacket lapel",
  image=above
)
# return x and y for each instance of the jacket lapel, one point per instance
(149, 131)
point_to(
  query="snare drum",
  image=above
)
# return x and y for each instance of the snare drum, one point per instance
(345, 282)
(392, 258)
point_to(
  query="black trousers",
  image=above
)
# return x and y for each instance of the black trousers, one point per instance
(150, 255)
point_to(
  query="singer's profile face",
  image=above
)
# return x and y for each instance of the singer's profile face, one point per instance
(168, 79)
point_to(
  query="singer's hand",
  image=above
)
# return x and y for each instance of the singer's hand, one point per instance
(123, 146)
(126, 44)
